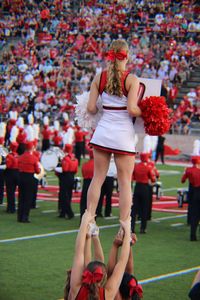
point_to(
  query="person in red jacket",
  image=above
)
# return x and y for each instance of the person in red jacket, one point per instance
(193, 175)
(36, 181)
(21, 137)
(142, 174)
(11, 177)
(69, 166)
(46, 135)
(87, 174)
(79, 143)
(57, 138)
(152, 165)
(28, 165)
(187, 175)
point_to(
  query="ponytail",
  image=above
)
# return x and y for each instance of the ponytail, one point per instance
(118, 51)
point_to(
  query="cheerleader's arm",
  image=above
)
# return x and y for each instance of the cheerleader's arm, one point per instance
(93, 96)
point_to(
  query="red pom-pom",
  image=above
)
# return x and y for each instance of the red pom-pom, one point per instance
(155, 114)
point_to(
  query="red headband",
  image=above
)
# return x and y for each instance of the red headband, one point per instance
(92, 277)
(134, 287)
(112, 55)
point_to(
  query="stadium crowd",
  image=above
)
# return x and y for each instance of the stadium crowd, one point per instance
(52, 49)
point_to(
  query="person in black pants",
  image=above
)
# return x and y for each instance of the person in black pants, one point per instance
(160, 149)
(28, 165)
(11, 177)
(142, 174)
(106, 190)
(87, 173)
(193, 175)
(66, 182)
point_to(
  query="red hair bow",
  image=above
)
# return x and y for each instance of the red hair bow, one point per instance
(112, 55)
(92, 277)
(134, 287)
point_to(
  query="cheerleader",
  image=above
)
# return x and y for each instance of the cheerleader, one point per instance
(115, 131)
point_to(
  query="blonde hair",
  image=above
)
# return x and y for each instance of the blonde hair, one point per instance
(113, 85)
(67, 285)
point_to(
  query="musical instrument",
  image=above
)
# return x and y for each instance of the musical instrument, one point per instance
(157, 189)
(60, 154)
(182, 196)
(58, 169)
(50, 158)
(41, 174)
(3, 153)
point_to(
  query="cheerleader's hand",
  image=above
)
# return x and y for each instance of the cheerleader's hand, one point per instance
(87, 217)
(126, 225)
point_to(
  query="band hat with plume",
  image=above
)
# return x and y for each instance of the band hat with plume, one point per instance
(65, 116)
(46, 120)
(56, 125)
(13, 134)
(30, 119)
(20, 122)
(2, 129)
(13, 115)
(30, 137)
(68, 137)
(30, 133)
(36, 131)
(146, 144)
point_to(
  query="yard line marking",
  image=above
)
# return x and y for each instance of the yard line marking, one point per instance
(170, 210)
(169, 275)
(172, 189)
(168, 218)
(23, 238)
(30, 237)
(177, 224)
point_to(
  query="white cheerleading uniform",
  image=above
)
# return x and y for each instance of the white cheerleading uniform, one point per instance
(115, 130)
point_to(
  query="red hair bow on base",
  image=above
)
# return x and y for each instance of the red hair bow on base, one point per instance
(112, 55)
(155, 114)
(92, 277)
(134, 287)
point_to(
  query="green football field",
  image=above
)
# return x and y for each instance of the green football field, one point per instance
(34, 257)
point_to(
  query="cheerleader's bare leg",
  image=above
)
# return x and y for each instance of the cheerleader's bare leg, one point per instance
(101, 165)
(125, 166)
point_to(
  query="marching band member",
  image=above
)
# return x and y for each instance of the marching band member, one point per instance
(107, 190)
(38, 156)
(193, 176)
(79, 142)
(152, 165)
(65, 121)
(87, 174)
(28, 165)
(2, 163)
(11, 122)
(142, 174)
(21, 138)
(69, 166)
(148, 148)
(46, 134)
(57, 139)
(12, 176)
